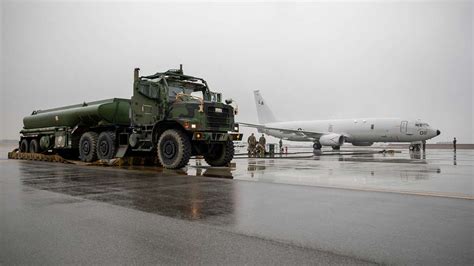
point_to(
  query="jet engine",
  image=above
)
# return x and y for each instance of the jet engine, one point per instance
(362, 144)
(332, 139)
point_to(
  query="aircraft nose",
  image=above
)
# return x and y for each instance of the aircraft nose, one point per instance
(438, 132)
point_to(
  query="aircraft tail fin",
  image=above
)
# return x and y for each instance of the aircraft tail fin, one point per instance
(265, 115)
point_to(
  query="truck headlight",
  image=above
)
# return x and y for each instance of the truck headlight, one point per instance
(193, 125)
(236, 127)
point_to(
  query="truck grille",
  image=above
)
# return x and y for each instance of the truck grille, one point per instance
(217, 119)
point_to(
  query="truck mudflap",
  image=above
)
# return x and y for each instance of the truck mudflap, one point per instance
(214, 136)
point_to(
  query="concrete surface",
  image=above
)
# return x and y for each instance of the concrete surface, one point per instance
(350, 209)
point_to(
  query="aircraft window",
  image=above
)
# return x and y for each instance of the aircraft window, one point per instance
(422, 125)
(372, 126)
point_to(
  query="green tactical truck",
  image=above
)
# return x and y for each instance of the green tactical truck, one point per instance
(171, 114)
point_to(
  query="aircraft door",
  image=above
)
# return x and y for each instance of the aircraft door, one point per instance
(404, 127)
(410, 128)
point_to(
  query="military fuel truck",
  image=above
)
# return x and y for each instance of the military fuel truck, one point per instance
(172, 115)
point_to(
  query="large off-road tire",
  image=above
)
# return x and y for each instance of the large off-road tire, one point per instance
(34, 146)
(174, 149)
(106, 145)
(24, 145)
(220, 154)
(88, 147)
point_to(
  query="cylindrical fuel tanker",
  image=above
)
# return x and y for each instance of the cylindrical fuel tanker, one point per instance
(110, 111)
(170, 115)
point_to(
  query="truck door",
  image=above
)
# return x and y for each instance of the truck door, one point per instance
(147, 102)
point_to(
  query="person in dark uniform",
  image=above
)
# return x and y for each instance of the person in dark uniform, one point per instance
(262, 141)
(454, 143)
(281, 146)
(252, 142)
(423, 145)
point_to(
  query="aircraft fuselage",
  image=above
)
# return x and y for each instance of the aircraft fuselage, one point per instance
(366, 130)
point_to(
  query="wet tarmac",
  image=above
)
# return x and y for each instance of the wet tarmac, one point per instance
(362, 207)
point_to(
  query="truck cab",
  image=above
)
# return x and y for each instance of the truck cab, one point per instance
(178, 116)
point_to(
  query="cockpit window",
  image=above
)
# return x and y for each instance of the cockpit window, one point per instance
(421, 125)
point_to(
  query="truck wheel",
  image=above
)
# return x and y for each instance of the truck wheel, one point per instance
(174, 149)
(220, 154)
(88, 147)
(24, 145)
(34, 146)
(106, 147)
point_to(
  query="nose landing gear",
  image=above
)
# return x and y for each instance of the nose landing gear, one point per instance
(415, 147)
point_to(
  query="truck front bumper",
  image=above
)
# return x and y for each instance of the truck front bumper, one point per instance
(216, 136)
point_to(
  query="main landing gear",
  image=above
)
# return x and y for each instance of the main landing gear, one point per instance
(317, 148)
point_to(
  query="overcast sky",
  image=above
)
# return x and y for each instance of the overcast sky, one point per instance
(310, 60)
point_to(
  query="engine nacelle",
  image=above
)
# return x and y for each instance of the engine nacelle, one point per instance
(332, 139)
(364, 144)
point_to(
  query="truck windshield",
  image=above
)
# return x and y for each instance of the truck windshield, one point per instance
(185, 88)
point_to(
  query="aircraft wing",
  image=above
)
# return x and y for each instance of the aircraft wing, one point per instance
(302, 133)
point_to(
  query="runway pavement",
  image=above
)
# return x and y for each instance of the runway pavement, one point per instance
(396, 208)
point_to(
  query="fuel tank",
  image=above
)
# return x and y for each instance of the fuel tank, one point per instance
(105, 112)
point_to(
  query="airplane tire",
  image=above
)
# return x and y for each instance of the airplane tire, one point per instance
(317, 146)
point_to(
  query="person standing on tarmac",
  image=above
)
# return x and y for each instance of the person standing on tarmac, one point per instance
(252, 142)
(281, 146)
(423, 145)
(454, 143)
(262, 141)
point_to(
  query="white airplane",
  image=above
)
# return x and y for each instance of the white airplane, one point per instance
(334, 133)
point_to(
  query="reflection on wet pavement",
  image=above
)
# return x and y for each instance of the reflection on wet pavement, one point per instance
(397, 172)
(287, 200)
(181, 196)
(407, 172)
